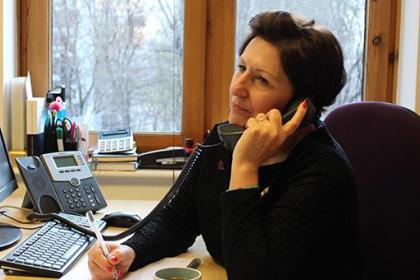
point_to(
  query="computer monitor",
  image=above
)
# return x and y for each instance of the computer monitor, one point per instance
(8, 234)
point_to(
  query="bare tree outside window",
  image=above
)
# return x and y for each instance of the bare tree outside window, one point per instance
(346, 19)
(121, 61)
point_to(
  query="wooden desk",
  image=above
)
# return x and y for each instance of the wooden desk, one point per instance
(208, 268)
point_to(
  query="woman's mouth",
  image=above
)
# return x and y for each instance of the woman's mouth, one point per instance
(238, 109)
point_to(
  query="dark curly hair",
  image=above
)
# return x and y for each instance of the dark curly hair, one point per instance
(311, 55)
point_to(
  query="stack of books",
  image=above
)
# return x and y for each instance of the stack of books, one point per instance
(123, 161)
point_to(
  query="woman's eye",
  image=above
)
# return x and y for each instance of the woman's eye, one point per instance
(241, 68)
(262, 80)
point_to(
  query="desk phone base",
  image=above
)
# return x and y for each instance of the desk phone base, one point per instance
(60, 182)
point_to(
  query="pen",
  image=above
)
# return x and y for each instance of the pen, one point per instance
(94, 227)
(73, 131)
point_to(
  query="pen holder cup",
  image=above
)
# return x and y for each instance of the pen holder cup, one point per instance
(50, 142)
(71, 146)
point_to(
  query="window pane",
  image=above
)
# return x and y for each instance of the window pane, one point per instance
(121, 62)
(346, 19)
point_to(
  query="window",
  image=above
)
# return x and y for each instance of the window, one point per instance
(209, 53)
(36, 35)
(121, 62)
(347, 22)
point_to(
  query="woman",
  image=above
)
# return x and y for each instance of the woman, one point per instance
(283, 204)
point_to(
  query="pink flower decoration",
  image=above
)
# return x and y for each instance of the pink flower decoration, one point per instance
(55, 106)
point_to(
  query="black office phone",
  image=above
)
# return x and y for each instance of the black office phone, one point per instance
(229, 134)
(60, 182)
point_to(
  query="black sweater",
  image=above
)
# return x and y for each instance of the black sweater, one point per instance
(304, 227)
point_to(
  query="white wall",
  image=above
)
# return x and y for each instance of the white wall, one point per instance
(408, 85)
(8, 60)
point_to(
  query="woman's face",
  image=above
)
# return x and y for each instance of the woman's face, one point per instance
(259, 83)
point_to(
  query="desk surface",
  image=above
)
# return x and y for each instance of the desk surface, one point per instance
(208, 268)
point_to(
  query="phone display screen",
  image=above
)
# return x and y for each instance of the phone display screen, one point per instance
(65, 161)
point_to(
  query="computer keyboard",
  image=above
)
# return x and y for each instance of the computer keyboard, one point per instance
(52, 250)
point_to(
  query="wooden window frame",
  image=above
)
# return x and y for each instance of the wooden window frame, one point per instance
(382, 46)
(209, 55)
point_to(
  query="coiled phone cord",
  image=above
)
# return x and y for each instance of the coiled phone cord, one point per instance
(192, 162)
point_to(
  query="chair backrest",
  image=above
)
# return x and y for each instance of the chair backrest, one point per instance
(382, 141)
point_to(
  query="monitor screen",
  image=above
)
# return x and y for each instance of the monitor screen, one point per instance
(7, 177)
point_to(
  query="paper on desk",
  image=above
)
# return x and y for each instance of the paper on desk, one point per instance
(81, 271)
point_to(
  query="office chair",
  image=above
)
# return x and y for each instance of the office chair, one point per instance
(382, 141)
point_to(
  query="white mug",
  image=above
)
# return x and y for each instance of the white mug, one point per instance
(177, 273)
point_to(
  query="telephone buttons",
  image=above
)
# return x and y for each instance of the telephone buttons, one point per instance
(91, 200)
(75, 182)
(97, 199)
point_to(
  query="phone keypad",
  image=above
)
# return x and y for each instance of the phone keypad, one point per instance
(81, 197)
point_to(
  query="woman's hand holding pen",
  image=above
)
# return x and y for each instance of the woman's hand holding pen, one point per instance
(264, 139)
(121, 256)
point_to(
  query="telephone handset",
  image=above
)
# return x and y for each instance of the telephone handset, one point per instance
(60, 182)
(229, 134)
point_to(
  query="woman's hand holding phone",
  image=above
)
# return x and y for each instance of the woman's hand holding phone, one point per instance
(263, 139)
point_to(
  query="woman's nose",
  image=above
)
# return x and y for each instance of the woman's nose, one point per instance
(240, 87)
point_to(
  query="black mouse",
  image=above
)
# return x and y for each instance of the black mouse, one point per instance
(121, 219)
